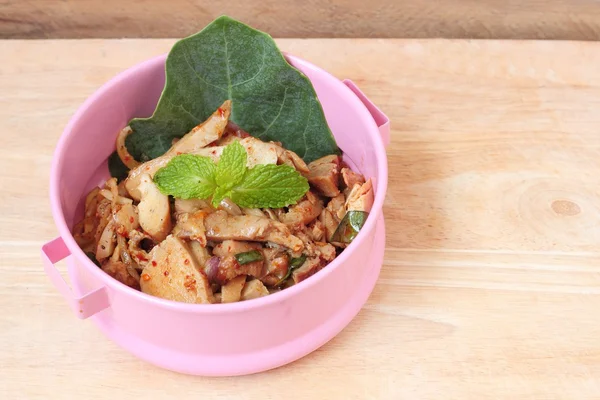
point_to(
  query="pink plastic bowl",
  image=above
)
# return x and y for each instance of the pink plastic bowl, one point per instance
(214, 339)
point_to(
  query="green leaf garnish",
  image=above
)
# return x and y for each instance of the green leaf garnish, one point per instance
(230, 60)
(295, 263)
(248, 257)
(232, 166)
(269, 186)
(349, 226)
(116, 167)
(189, 176)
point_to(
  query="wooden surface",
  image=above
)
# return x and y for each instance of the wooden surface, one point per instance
(491, 283)
(484, 19)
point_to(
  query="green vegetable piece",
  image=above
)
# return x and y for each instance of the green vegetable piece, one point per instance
(269, 186)
(116, 167)
(295, 263)
(232, 166)
(349, 226)
(248, 257)
(187, 176)
(230, 60)
(92, 257)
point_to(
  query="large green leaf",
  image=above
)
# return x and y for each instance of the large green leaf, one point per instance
(229, 60)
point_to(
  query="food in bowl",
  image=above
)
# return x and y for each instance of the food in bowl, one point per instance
(225, 210)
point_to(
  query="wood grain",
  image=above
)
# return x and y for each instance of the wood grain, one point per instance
(499, 19)
(490, 287)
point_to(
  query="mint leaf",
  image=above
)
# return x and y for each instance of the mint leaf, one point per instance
(187, 176)
(232, 166)
(230, 60)
(269, 186)
(220, 194)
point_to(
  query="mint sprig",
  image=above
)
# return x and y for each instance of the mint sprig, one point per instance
(265, 186)
(187, 177)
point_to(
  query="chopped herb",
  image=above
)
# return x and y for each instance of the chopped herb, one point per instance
(249, 256)
(349, 227)
(295, 263)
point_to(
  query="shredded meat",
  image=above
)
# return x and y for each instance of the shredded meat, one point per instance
(311, 266)
(190, 226)
(205, 133)
(324, 175)
(154, 210)
(292, 159)
(233, 247)
(254, 289)
(277, 263)
(135, 247)
(232, 291)
(222, 226)
(304, 212)
(229, 268)
(192, 205)
(118, 270)
(332, 215)
(360, 197)
(317, 231)
(172, 274)
(351, 178)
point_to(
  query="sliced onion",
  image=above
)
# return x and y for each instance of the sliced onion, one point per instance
(91, 201)
(107, 194)
(126, 217)
(121, 200)
(116, 255)
(106, 244)
(211, 268)
(122, 151)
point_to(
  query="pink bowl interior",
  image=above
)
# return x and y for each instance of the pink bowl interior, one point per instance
(80, 159)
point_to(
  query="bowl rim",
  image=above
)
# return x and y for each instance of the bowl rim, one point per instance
(381, 182)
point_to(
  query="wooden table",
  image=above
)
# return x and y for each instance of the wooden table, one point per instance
(482, 19)
(491, 282)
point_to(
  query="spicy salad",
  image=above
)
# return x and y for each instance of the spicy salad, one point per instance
(248, 200)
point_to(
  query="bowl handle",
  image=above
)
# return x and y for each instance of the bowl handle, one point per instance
(84, 306)
(382, 120)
